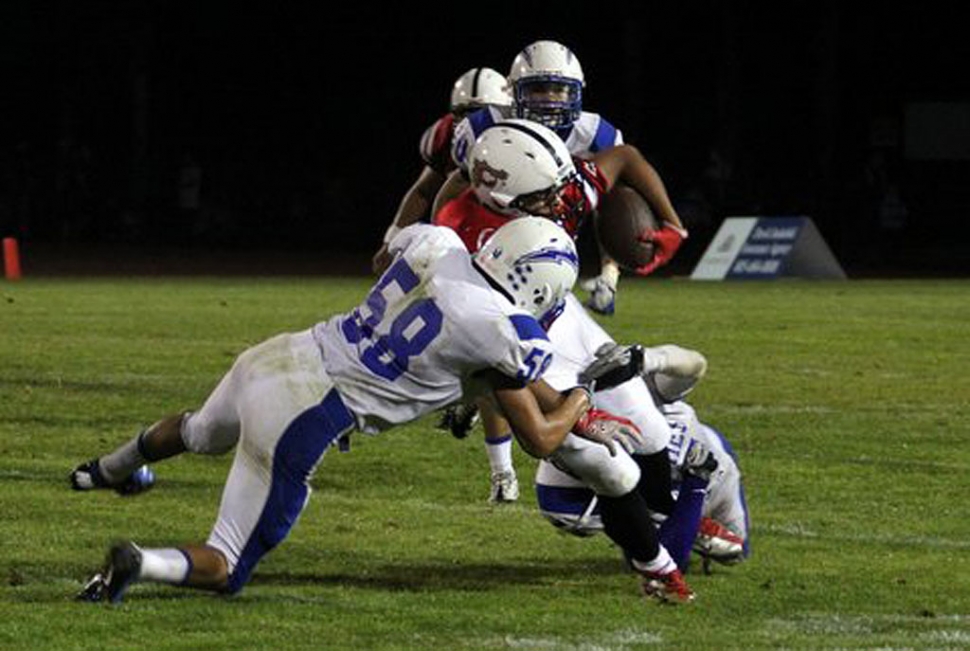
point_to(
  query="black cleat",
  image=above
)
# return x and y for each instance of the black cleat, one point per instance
(93, 590)
(122, 568)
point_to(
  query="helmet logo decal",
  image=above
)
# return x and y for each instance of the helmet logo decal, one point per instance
(485, 175)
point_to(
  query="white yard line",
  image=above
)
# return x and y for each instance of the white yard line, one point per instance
(608, 641)
(931, 542)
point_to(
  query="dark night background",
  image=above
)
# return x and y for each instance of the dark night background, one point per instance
(304, 118)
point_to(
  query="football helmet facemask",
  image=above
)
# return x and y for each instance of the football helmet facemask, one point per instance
(547, 81)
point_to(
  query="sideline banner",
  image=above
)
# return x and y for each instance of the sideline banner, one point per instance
(767, 248)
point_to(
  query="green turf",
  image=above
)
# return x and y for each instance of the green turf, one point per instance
(847, 402)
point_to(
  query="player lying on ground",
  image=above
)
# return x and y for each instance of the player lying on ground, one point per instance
(710, 501)
(437, 323)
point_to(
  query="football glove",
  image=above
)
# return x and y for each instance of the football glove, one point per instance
(699, 461)
(615, 364)
(608, 429)
(666, 240)
(459, 420)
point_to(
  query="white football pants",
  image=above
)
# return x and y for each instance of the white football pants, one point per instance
(278, 403)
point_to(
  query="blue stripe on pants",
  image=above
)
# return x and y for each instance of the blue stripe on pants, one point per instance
(297, 453)
(570, 500)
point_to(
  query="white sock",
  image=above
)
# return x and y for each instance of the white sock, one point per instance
(122, 462)
(164, 566)
(662, 563)
(499, 453)
(610, 272)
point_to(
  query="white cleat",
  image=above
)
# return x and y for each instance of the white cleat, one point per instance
(505, 487)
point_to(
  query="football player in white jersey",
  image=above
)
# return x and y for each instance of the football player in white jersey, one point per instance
(439, 324)
(711, 509)
(547, 83)
(475, 89)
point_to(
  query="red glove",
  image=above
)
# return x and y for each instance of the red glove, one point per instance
(666, 241)
(603, 427)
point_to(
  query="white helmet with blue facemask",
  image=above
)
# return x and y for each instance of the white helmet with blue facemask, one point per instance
(547, 82)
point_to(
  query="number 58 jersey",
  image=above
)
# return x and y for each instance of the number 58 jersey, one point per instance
(428, 325)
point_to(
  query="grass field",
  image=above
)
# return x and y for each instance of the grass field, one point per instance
(847, 403)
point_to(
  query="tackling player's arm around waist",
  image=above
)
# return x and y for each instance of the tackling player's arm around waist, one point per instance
(539, 415)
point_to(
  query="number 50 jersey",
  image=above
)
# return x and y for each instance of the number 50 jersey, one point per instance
(429, 324)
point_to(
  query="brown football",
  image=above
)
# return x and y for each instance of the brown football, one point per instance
(623, 215)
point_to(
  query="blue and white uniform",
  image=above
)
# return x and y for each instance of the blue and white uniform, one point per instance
(570, 504)
(725, 500)
(413, 346)
(589, 134)
(576, 336)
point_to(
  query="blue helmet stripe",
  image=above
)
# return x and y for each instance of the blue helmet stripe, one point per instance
(550, 254)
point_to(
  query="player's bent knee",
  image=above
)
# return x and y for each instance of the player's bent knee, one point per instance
(618, 484)
(616, 478)
(203, 436)
(235, 574)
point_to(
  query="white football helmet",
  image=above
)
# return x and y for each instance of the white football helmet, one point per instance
(480, 87)
(548, 82)
(534, 263)
(515, 161)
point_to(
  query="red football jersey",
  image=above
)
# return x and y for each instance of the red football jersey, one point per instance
(475, 223)
(435, 144)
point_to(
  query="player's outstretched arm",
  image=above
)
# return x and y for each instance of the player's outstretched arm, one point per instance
(414, 205)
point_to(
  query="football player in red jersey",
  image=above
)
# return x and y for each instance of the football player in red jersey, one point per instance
(479, 210)
(519, 168)
(473, 90)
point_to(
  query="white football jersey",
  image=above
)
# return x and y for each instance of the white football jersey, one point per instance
(725, 501)
(588, 135)
(571, 504)
(429, 324)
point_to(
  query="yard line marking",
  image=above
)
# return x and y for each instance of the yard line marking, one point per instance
(831, 622)
(772, 409)
(933, 542)
(615, 641)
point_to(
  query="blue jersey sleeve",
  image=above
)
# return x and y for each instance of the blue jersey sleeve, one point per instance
(467, 132)
(535, 347)
(607, 136)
